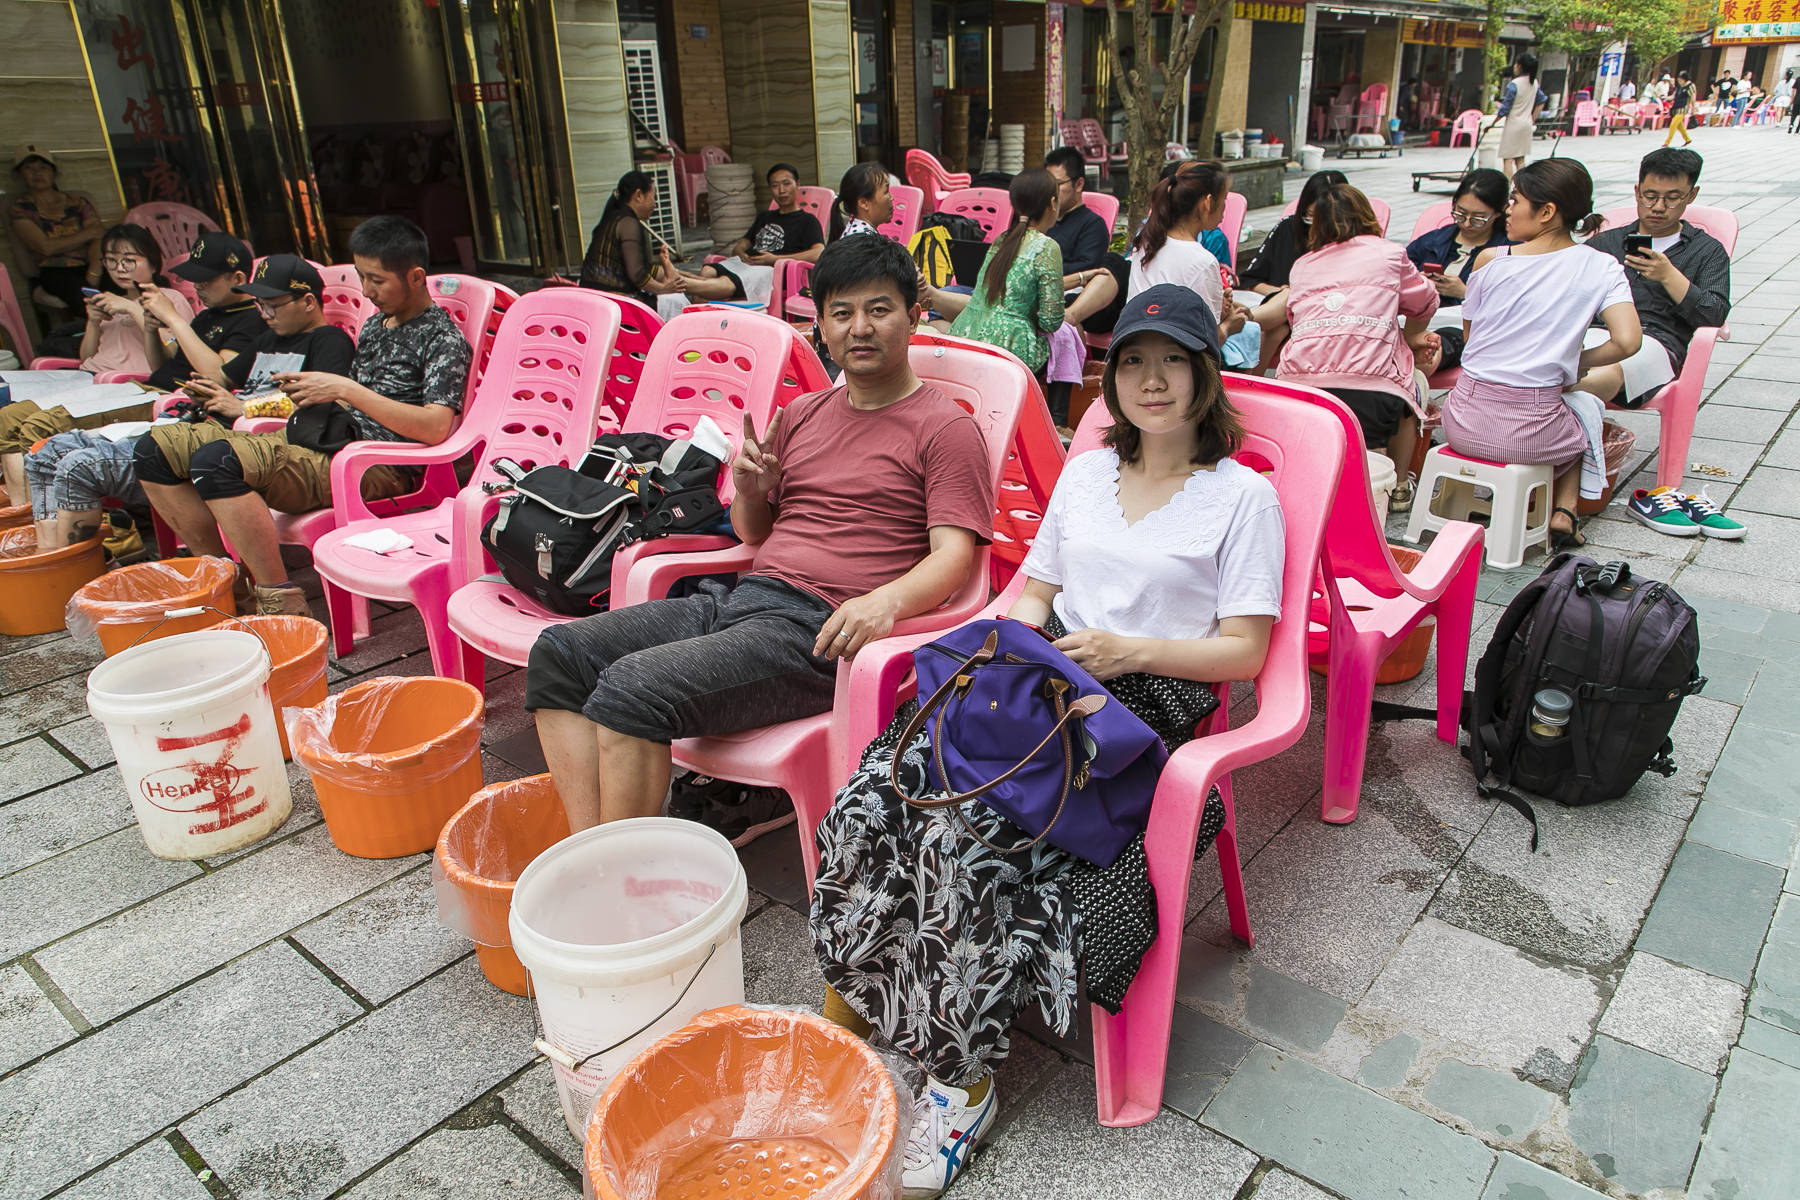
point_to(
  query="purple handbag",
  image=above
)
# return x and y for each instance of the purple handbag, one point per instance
(1016, 723)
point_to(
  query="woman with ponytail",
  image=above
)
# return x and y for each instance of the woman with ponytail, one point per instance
(1018, 298)
(1527, 308)
(619, 258)
(1167, 249)
(864, 201)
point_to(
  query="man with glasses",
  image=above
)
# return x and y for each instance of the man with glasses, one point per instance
(1093, 276)
(1680, 283)
(223, 329)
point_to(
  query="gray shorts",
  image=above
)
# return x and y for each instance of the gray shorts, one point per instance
(717, 662)
(75, 471)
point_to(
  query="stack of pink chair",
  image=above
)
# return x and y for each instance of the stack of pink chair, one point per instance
(926, 173)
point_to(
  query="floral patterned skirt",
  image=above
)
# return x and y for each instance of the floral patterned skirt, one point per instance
(941, 942)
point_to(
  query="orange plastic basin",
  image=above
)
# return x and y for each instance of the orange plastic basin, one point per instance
(480, 855)
(35, 588)
(126, 606)
(297, 676)
(399, 757)
(1407, 659)
(801, 1105)
(17, 515)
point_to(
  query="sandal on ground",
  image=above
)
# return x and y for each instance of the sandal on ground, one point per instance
(1566, 539)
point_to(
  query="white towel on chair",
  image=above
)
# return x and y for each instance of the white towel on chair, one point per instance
(1592, 414)
(380, 541)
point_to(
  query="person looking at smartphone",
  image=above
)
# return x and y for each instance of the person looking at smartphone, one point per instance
(290, 295)
(1680, 278)
(1447, 254)
(117, 324)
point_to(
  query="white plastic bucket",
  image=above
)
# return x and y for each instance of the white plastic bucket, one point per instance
(1382, 478)
(626, 931)
(1487, 156)
(1312, 158)
(1231, 145)
(192, 726)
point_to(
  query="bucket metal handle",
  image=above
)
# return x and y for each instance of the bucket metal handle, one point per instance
(176, 614)
(563, 1058)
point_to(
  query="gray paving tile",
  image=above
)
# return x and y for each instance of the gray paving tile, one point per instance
(45, 706)
(151, 1172)
(1748, 392)
(1743, 833)
(1279, 1185)
(1202, 1055)
(1756, 771)
(1699, 733)
(390, 638)
(86, 739)
(1728, 675)
(1385, 1067)
(1351, 1140)
(1750, 1149)
(325, 1116)
(1771, 1041)
(1712, 912)
(31, 766)
(1748, 618)
(531, 1100)
(1775, 995)
(1784, 451)
(28, 669)
(140, 954)
(1581, 896)
(1493, 1102)
(1637, 1115)
(1522, 1017)
(1735, 585)
(59, 895)
(13, 645)
(1055, 1147)
(779, 964)
(386, 941)
(1515, 1178)
(1774, 700)
(1374, 876)
(64, 816)
(1769, 490)
(30, 1024)
(89, 1101)
(1720, 422)
(1675, 1011)
(1289, 1012)
(466, 1164)
(1767, 550)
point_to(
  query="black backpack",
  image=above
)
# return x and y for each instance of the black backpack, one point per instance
(557, 528)
(1625, 650)
(959, 227)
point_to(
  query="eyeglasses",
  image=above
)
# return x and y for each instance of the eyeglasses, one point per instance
(1061, 183)
(1472, 220)
(125, 263)
(270, 307)
(1662, 199)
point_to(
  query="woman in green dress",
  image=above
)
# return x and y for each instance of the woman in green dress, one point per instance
(1018, 298)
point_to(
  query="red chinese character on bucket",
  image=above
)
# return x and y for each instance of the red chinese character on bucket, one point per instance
(205, 789)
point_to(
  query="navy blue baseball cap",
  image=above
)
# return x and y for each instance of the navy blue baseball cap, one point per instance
(1174, 311)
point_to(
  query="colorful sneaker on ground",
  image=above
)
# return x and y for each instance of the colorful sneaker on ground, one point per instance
(946, 1128)
(1661, 509)
(1713, 523)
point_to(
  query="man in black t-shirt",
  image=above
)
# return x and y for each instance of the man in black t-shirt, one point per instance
(1093, 276)
(289, 295)
(216, 334)
(783, 232)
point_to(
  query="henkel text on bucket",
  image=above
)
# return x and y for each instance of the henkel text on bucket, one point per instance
(626, 930)
(194, 732)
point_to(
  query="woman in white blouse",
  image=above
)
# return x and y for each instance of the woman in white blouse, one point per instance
(1157, 567)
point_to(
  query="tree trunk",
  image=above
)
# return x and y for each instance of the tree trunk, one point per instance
(1146, 119)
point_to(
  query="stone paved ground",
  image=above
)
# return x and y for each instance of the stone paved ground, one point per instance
(1430, 1011)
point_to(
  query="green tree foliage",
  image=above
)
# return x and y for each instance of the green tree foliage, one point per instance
(1584, 28)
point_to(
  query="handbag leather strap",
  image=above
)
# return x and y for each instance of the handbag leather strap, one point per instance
(1086, 706)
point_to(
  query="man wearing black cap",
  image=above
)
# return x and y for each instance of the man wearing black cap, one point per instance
(290, 296)
(222, 330)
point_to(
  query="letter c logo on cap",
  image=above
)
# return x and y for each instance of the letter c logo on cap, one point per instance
(1153, 309)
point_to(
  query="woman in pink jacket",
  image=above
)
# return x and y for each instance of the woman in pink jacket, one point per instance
(1347, 296)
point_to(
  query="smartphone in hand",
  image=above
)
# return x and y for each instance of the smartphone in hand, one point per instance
(1432, 268)
(89, 292)
(1637, 244)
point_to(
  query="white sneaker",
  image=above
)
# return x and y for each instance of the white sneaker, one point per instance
(945, 1132)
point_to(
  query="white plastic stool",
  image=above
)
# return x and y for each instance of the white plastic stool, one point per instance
(1518, 513)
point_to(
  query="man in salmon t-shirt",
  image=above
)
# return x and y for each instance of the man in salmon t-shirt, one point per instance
(865, 503)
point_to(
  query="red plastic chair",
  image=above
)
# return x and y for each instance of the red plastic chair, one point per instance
(1467, 125)
(1678, 403)
(716, 362)
(1369, 606)
(12, 318)
(538, 404)
(1383, 213)
(174, 226)
(811, 758)
(991, 208)
(1587, 116)
(909, 209)
(926, 173)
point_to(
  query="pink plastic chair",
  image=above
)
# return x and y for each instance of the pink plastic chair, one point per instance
(1652, 114)
(1466, 126)
(713, 156)
(811, 758)
(690, 182)
(345, 305)
(1383, 213)
(991, 208)
(538, 404)
(1231, 225)
(792, 278)
(638, 327)
(930, 176)
(1104, 204)
(12, 318)
(1371, 109)
(1370, 605)
(909, 208)
(1587, 116)
(1678, 403)
(716, 362)
(1435, 216)
(818, 202)
(174, 226)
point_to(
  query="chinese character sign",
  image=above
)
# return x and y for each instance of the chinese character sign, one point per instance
(1757, 21)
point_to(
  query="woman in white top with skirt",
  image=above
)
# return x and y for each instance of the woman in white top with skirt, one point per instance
(1157, 568)
(1528, 306)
